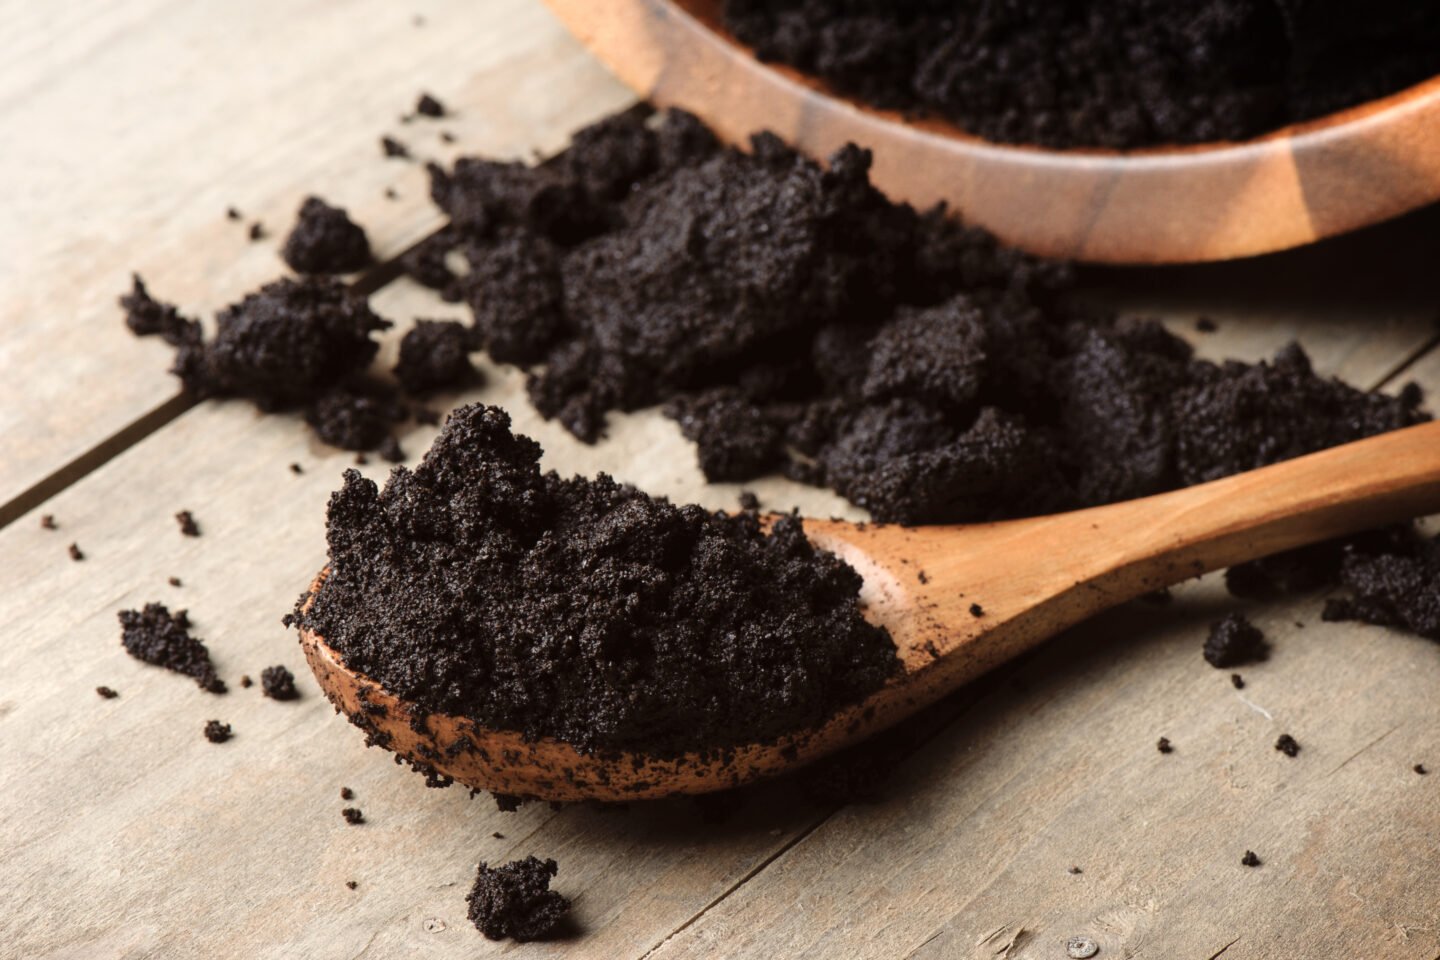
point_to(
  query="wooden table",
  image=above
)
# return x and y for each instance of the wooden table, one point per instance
(123, 833)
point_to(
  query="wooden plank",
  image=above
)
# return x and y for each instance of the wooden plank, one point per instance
(130, 128)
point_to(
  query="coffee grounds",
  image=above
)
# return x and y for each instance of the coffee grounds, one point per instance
(217, 732)
(515, 900)
(390, 450)
(158, 637)
(245, 681)
(257, 231)
(325, 240)
(1287, 745)
(173, 581)
(47, 522)
(1237, 681)
(793, 320)
(1164, 745)
(296, 469)
(353, 816)
(148, 317)
(76, 553)
(346, 793)
(1250, 859)
(357, 415)
(232, 214)
(434, 354)
(106, 693)
(586, 610)
(278, 683)
(1398, 586)
(506, 803)
(187, 523)
(391, 147)
(1118, 73)
(1420, 769)
(428, 106)
(1234, 642)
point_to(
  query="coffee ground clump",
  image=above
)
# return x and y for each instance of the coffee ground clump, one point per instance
(278, 683)
(158, 637)
(75, 552)
(1288, 745)
(428, 106)
(1117, 73)
(515, 900)
(1398, 586)
(187, 523)
(106, 693)
(1250, 859)
(353, 816)
(793, 320)
(325, 240)
(434, 354)
(1235, 642)
(217, 732)
(475, 585)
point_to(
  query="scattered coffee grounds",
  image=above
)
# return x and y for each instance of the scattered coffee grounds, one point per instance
(325, 240)
(232, 214)
(107, 693)
(1287, 745)
(353, 816)
(352, 884)
(346, 793)
(1118, 73)
(278, 683)
(245, 681)
(293, 344)
(394, 148)
(793, 320)
(1164, 745)
(296, 469)
(498, 835)
(75, 552)
(257, 231)
(1250, 859)
(976, 610)
(1076, 870)
(1398, 585)
(158, 637)
(1206, 325)
(1235, 641)
(460, 588)
(434, 354)
(173, 581)
(1237, 681)
(516, 901)
(428, 106)
(1420, 769)
(47, 522)
(217, 732)
(188, 526)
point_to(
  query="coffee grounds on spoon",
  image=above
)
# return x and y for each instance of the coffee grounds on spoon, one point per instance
(476, 585)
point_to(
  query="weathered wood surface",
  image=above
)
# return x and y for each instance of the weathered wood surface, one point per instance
(123, 833)
(131, 128)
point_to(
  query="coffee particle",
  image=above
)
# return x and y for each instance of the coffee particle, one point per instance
(428, 106)
(498, 835)
(515, 900)
(107, 693)
(188, 526)
(976, 610)
(173, 581)
(1250, 859)
(156, 636)
(257, 231)
(394, 148)
(217, 732)
(1076, 870)
(446, 136)
(296, 469)
(232, 214)
(1237, 681)
(390, 450)
(1234, 641)
(75, 552)
(390, 194)
(346, 793)
(361, 460)
(47, 522)
(353, 816)
(325, 240)
(1287, 745)
(278, 683)
(352, 884)
(1420, 769)
(1164, 745)
(245, 681)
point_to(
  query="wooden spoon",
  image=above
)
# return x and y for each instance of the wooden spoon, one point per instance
(1158, 205)
(957, 600)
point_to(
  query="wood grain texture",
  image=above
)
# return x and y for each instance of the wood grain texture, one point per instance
(130, 128)
(1162, 205)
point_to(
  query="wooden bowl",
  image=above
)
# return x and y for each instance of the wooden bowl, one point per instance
(1159, 205)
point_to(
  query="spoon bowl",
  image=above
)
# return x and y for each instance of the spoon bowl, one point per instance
(1174, 204)
(958, 600)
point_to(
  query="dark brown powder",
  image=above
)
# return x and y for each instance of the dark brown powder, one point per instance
(106, 693)
(173, 581)
(187, 523)
(217, 732)
(353, 816)
(1235, 641)
(1398, 586)
(391, 147)
(278, 683)
(75, 552)
(346, 793)
(1287, 745)
(515, 901)
(158, 637)
(457, 589)
(1250, 859)
(1118, 73)
(428, 106)
(47, 522)
(325, 240)
(1164, 745)
(434, 354)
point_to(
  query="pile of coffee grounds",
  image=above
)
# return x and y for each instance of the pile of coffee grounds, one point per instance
(1235, 642)
(278, 683)
(217, 732)
(793, 320)
(515, 900)
(1102, 73)
(325, 240)
(1398, 587)
(292, 345)
(157, 636)
(1288, 745)
(434, 354)
(582, 609)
